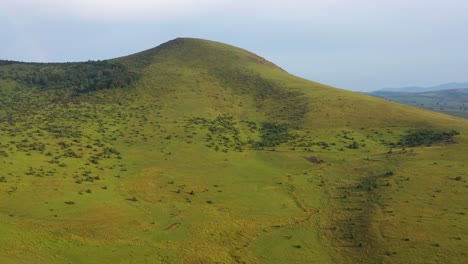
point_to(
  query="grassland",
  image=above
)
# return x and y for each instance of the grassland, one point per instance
(215, 155)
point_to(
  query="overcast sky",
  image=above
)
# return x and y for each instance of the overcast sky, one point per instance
(359, 45)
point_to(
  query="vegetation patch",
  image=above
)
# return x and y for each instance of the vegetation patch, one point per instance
(274, 134)
(223, 132)
(427, 137)
(283, 104)
(314, 160)
(80, 77)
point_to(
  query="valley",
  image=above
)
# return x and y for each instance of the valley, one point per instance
(450, 102)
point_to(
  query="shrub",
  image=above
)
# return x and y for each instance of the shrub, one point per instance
(353, 145)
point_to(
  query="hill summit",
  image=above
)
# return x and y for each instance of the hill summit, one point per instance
(190, 51)
(200, 152)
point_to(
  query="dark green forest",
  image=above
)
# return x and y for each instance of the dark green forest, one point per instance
(79, 77)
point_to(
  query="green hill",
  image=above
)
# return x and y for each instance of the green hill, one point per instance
(200, 152)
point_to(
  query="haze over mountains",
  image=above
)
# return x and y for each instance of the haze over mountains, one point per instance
(417, 89)
(200, 152)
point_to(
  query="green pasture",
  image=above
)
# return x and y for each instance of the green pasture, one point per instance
(211, 154)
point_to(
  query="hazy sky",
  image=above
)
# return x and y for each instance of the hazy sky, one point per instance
(350, 44)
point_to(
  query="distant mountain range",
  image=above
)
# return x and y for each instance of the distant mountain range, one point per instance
(417, 89)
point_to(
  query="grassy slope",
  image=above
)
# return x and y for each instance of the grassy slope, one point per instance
(194, 204)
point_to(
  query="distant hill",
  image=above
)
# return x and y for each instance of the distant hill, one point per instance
(417, 89)
(196, 151)
(452, 102)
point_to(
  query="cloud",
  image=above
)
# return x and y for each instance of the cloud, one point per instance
(106, 9)
(162, 9)
(273, 9)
